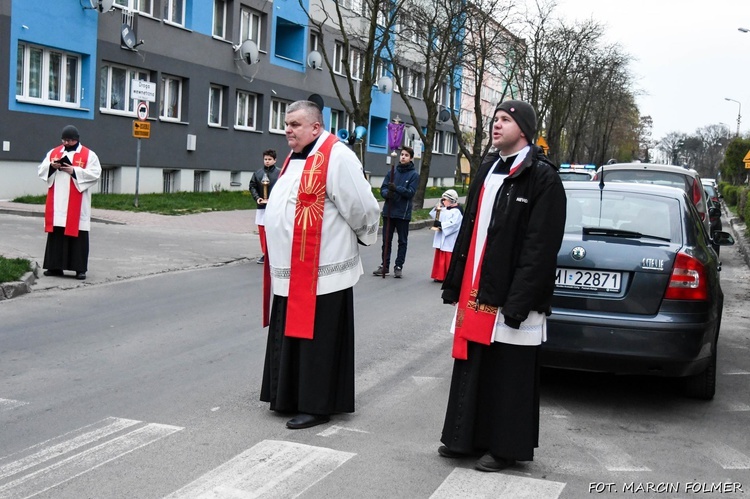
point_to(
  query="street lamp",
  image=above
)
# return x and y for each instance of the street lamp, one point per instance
(739, 113)
(744, 30)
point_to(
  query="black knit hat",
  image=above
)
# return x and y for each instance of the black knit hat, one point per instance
(523, 114)
(70, 132)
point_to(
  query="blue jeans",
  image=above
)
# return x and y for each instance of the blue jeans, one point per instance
(401, 226)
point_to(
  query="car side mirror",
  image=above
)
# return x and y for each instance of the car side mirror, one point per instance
(714, 212)
(722, 238)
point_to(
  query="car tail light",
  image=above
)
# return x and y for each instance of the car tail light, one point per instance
(697, 188)
(688, 280)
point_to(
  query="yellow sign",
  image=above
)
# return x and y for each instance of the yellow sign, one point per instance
(746, 159)
(541, 142)
(141, 129)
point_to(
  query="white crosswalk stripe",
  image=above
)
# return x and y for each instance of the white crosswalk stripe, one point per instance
(270, 468)
(727, 457)
(468, 483)
(7, 404)
(63, 458)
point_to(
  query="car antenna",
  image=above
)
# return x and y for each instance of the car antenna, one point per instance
(601, 191)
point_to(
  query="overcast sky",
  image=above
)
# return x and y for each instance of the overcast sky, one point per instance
(688, 55)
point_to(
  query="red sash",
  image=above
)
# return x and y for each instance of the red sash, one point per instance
(308, 228)
(75, 197)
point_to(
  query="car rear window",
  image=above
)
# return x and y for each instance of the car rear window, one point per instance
(648, 215)
(655, 177)
(575, 176)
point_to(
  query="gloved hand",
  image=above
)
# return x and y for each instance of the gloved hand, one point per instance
(392, 187)
(390, 194)
(437, 224)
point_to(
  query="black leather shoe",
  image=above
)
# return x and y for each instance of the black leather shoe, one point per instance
(301, 421)
(80, 275)
(53, 273)
(446, 452)
(490, 463)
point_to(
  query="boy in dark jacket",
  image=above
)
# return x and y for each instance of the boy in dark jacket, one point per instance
(398, 193)
(261, 184)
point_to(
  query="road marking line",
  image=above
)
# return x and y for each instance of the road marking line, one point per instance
(82, 462)
(333, 429)
(7, 404)
(736, 372)
(468, 483)
(285, 468)
(727, 457)
(736, 407)
(609, 455)
(50, 450)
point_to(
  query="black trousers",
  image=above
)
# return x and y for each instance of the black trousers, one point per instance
(401, 227)
(312, 376)
(494, 402)
(66, 252)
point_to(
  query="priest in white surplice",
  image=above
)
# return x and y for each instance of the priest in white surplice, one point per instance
(70, 171)
(320, 211)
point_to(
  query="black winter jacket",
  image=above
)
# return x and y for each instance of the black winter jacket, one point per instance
(523, 238)
(256, 185)
(407, 181)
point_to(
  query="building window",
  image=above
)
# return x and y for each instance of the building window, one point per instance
(174, 11)
(143, 6)
(216, 105)
(47, 76)
(169, 178)
(251, 26)
(437, 141)
(247, 105)
(107, 181)
(336, 117)
(415, 84)
(235, 179)
(314, 41)
(338, 58)
(114, 88)
(278, 115)
(357, 64)
(450, 139)
(289, 42)
(220, 19)
(170, 103)
(200, 181)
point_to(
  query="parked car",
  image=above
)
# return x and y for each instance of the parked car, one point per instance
(651, 173)
(637, 286)
(714, 206)
(576, 174)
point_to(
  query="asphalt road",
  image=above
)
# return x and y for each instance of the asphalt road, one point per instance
(148, 387)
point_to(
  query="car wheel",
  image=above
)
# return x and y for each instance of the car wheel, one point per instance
(702, 385)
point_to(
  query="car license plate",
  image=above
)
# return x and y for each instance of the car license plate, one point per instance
(595, 280)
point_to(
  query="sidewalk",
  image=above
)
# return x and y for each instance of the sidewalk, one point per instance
(126, 245)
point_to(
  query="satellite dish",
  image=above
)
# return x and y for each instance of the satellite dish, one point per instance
(317, 99)
(127, 36)
(315, 60)
(411, 132)
(343, 135)
(385, 85)
(102, 5)
(248, 52)
(444, 116)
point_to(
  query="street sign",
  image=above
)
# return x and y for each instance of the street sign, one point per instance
(142, 111)
(143, 90)
(141, 129)
(746, 160)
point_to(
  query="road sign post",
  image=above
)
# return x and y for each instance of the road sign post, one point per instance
(141, 130)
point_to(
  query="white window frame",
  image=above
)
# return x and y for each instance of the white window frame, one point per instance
(357, 64)
(167, 95)
(216, 93)
(174, 11)
(220, 14)
(416, 84)
(108, 95)
(251, 25)
(142, 6)
(277, 116)
(336, 119)
(450, 139)
(437, 142)
(45, 77)
(338, 58)
(246, 111)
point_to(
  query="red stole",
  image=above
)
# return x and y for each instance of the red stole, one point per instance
(308, 228)
(75, 197)
(474, 321)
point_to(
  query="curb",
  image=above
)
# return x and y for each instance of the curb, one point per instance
(10, 290)
(39, 214)
(738, 232)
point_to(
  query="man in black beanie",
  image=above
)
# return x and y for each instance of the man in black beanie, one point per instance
(70, 171)
(501, 282)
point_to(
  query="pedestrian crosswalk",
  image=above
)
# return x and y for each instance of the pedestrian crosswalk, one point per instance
(279, 468)
(7, 404)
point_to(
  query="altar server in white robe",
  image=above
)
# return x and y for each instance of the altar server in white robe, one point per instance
(319, 212)
(70, 171)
